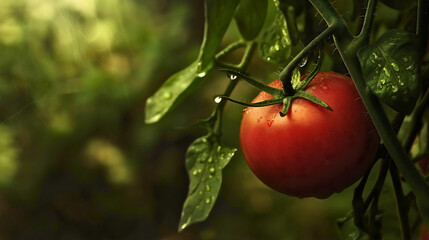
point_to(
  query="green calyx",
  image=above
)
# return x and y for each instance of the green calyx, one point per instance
(295, 86)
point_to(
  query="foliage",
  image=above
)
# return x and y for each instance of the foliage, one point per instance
(78, 160)
(391, 68)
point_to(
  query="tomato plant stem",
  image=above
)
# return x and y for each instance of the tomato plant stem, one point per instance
(217, 114)
(343, 39)
(233, 46)
(401, 203)
(363, 36)
(423, 22)
(285, 75)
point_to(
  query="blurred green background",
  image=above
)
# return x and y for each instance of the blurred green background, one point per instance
(77, 160)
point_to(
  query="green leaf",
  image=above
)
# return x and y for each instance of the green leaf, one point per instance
(276, 45)
(291, 9)
(171, 92)
(391, 69)
(219, 14)
(250, 17)
(205, 160)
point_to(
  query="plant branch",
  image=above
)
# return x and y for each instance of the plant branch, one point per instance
(423, 22)
(233, 46)
(285, 75)
(401, 203)
(410, 129)
(217, 114)
(363, 36)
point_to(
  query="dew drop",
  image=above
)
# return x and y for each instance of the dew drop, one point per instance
(303, 62)
(383, 81)
(374, 55)
(410, 67)
(149, 100)
(202, 74)
(210, 160)
(394, 88)
(324, 87)
(219, 148)
(195, 172)
(208, 200)
(208, 188)
(166, 95)
(186, 223)
(386, 72)
(405, 59)
(395, 66)
(218, 99)
(212, 170)
(231, 76)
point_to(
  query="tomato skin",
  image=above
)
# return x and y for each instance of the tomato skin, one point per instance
(311, 152)
(424, 234)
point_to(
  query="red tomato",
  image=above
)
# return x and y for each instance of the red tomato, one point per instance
(424, 234)
(311, 152)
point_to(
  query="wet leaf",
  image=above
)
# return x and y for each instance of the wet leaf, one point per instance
(205, 160)
(391, 69)
(171, 92)
(276, 45)
(219, 14)
(250, 17)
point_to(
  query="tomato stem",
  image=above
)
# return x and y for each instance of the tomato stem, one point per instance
(286, 74)
(363, 36)
(217, 113)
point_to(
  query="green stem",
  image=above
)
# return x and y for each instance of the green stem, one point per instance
(363, 36)
(423, 22)
(412, 128)
(217, 115)
(285, 75)
(401, 203)
(343, 40)
(233, 46)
